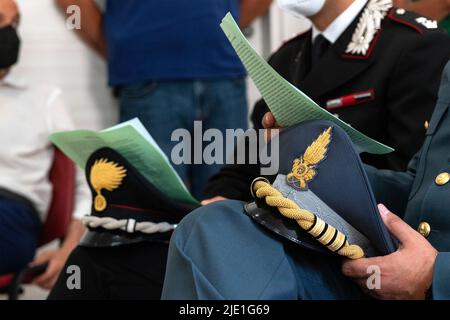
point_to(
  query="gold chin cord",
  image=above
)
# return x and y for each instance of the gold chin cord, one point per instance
(326, 234)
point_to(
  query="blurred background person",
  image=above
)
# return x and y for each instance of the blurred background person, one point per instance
(29, 112)
(170, 65)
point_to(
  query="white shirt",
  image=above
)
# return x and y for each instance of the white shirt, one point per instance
(28, 115)
(341, 23)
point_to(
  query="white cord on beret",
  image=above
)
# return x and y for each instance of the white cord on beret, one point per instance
(128, 225)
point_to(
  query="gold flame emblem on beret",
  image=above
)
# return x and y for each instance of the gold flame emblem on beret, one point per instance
(304, 169)
(106, 175)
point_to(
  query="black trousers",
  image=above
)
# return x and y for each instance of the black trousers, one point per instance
(133, 271)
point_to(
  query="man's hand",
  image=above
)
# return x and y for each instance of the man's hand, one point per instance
(56, 260)
(270, 124)
(3, 73)
(212, 200)
(252, 9)
(406, 273)
(9, 13)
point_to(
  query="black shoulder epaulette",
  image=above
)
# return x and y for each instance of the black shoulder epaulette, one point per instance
(416, 22)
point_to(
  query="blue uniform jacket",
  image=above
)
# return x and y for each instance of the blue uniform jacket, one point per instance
(422, 193)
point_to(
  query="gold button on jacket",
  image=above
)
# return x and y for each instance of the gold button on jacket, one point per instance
(443, 178)
(424, 229)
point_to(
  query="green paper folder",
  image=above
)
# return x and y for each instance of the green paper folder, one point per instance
(133, 142)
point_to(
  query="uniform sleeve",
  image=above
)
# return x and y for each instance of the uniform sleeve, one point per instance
(441, 277)
(392, 188)
(413, 94)
(233, 181)
(60, 120)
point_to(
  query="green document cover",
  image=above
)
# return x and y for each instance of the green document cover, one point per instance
(133, 142)
(288, 104)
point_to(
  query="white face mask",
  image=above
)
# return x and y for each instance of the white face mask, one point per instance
(306, 8)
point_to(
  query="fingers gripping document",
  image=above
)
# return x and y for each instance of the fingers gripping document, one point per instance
(133, 142)
(288, 104)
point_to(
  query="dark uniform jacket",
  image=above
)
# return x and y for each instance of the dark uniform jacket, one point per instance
(423, 192)
(398, 78)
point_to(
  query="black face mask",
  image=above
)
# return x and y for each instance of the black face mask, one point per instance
(9, 47)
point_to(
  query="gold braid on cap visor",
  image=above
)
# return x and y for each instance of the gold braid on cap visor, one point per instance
(326, 234)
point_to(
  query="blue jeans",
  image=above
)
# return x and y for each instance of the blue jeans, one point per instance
(19, 235)
(164, 106)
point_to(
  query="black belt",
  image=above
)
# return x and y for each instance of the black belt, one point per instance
(9, 195)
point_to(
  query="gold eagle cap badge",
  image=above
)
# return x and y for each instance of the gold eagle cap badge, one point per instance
(106, 175)
(304, 169)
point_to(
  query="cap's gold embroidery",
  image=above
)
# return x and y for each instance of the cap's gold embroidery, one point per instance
(105, 175)
(304, 169)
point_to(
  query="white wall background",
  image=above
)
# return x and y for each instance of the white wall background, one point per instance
(51, 53)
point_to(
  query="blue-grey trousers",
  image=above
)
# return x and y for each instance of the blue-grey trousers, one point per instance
(218, 252)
